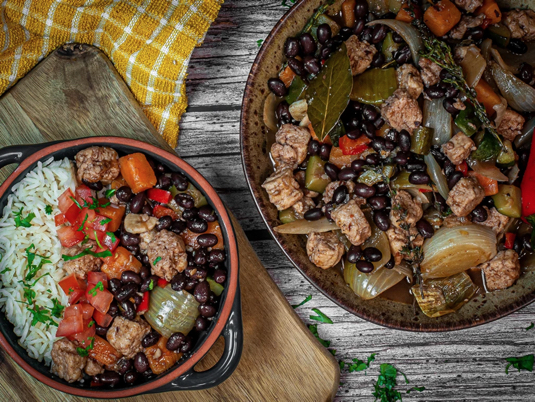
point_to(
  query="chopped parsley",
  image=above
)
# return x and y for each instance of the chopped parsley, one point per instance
(320, 317)
(419, 389)
(307, 299)
(87, 251)
(157, 260)
(70, 291)
(387, 381)
(104, 221)
(5, 270)
(527, 329)
(23, 222)
(259, 42)
(83, 223)
(151, 284)
(91, 324)
(111, 235)
(33, 269)
(284, 4)
(520, 363)
(359, 365)
(41, 315)
(314, 329)
(48, 209)
(85, 351)
(76, 202)
(57, 309)
(109, 193)
(97, 240)
(98, 286)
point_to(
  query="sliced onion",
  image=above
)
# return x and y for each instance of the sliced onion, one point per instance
(379, 240)
(518, 94)
(270, 105)
(487, 169)
(527, 134)
(171, 311)
(513, 174)
(409, 34)
(437, 118)
(302, 226)
(472, 63)
(299, 109)
(514, 60)
(500, 109)
(417, 194)
(368, 286)
(404, 269)
(456, 249)
(436, 174)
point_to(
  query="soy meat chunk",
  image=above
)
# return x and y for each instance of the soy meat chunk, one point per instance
(302, 206)
(406, 211)
(466, 23)
(465, 196)
(97, 164)
(66, 362)
(360, 54)
(352, 222)
(511, 124)
(496, 221)
(93, 368)
(502, 271)
(126, 335)
(332, 186)
(430, 71)
(290, 148)
(300, 176)
(521, 23)
(469, 5)
(82, 265)
(403, 242)
(283, 189)
(167, 254)
(458, 148)
(324, 249)
(401, 111)
(409, 78)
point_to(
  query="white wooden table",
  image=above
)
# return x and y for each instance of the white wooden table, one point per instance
(467, 365)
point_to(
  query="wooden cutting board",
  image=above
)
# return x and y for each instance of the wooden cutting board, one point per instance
(76, 92)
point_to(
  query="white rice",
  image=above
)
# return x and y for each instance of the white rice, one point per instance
(41, 187)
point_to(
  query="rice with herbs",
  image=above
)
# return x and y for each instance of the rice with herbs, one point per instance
(39, 189)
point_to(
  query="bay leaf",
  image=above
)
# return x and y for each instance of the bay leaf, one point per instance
(328, 93)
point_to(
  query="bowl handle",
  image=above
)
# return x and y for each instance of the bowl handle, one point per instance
(17, 153)
(233, 335)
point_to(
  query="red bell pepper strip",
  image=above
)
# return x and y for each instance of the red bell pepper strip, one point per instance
(162, 283)
(510, 240)
(463, 168)
(159, 195)
(527, 187)
(158, 211)
(144, 305)
(353, 147)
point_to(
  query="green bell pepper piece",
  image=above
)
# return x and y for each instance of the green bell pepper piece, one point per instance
(389, 47)
(315, 177)
(374, 86)
(467, 120)
(198, 197)
(215, 287)
(373, 176)
(506, 158)
(488, 148)
(499, 34)
(287, 216)
(421, 140)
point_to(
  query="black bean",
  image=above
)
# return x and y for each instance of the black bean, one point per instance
(136, 205)
(378, 144)
(391, 263)
(402, 158)
(373, 159)
(307, 43)
(479, 214)
(370, 113)
(325, 152)
(324, 33)
(356, 106)
(425, 229)
(185, 201)
(454, 179)
(379, 33)
(178, 282)
(123, 365)
(312, 65)
(148, 374)
(197, 225)
(359, 26)
(419, 178)
(358, 165)
(297, 66)
(518, 244)
(397, 38)
(345, 33)
(378, 202)
(402, 55)
(361, 8)
(188, 214)
(282, 112)
(124, 194)
(216, 256)
(202, 292)
(207, 213)
(277, 86)
(449, 168)
(292, 47)
(337, 40)
(137, 299)
(381, 220)
(126, 291)
(130, 276)
(404, 141)
(381, 188)
(207, 240)
(313, 147)
(526, 242)
(379, 123)
(150, 339)
(147, 209)
(444, 75)
(165, 222)
(178, 227)
(415, 165)
(220, 276)
(440, 202)
(526, 73)
(164, 182)
(114, 285)
(141, 363)
(313, 214)
(207, 310)
(190, 284)
(101, 331)
(364, 191)
(97, 186)
(475, 33)
(517, 46)
(368, 128)
(160, 168)
(110, 378)
(364, 266)
(201, 274)
(366, 34)
(187, 345)
(179, 181)
(325, 52)
(372, 254)
(133, 249)
(114, 309)
(144, 272)
(353, 123)
(128, 310)
(332, 171)
(354, 134)
(201, 324)
(378, 59)
(448, 105)
(354, 254)
(201, 257)
(451, 92)
(327, 211)
(131, 377)
(340, 194)
(435, 92)
(439, 156)
(347, 174)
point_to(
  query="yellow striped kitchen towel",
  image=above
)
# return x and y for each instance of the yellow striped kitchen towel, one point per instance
(149, 42)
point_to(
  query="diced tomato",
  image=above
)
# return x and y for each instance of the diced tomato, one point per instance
(65, 200)
(72, 214)
(85, 336)
(510, 240)
(95, 277)
(159, 195)
(111, 242)
(99, 237)
(160, 211)
(353, 147)
(81, 308)
(59, 219)
(85, 218)
(84, 193)
(69, 284)
(103, 320)
(162, 283)
(70, 325)
(144, 305)
(100, 299)
(98, 223)
(112, 211)
(69, 236)
(463, 168)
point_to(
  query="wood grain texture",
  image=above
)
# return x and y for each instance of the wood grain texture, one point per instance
(466, 365)
(281, 359)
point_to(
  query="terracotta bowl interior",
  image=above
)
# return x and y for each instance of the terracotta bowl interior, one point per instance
(255, 151)
(174, 164)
